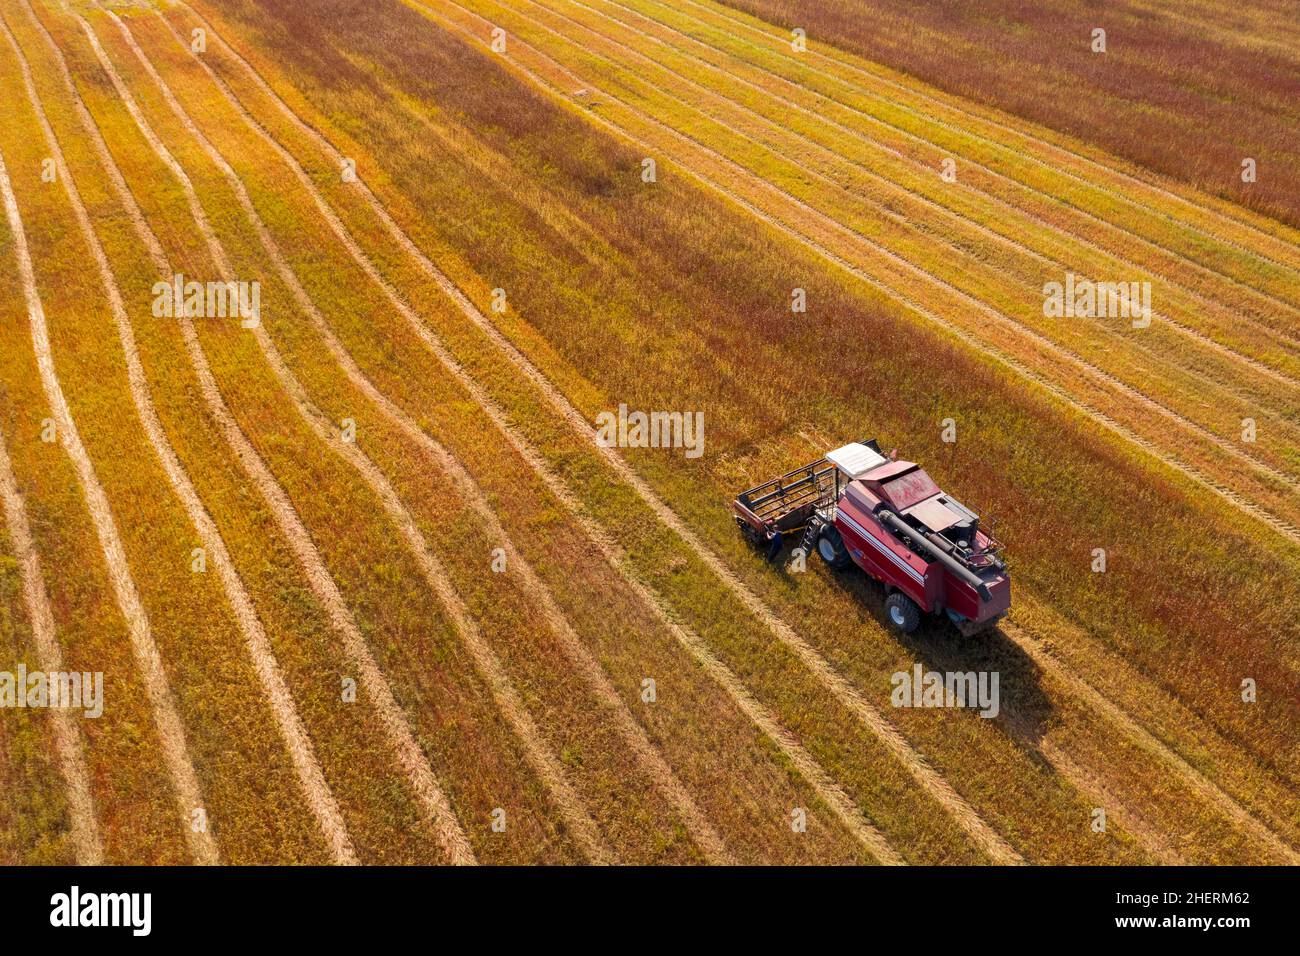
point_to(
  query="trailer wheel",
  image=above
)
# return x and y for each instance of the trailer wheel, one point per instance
(830, 545)
(747, 530)
(903, 612)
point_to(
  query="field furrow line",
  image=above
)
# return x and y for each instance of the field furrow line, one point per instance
(656, 768)
(1236, 498)
(817, 777)
(1086, 690)
(489, 666)
(877, 121)
(171, 732)
(397, 727)
(1016, 326)
(903, 223)
(1198, 782)
(87, 848)
(826, 789)
(780, 42)
(1006, 241)
(818, 666)
(1105, 797)
(1283, 528)
(1243, 30)
(1163, 251)
(310, 777)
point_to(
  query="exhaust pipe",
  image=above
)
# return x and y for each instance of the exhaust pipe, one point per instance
(940, 554)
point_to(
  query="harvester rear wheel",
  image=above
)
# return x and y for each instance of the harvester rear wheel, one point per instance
(903, 612)
(831, 547)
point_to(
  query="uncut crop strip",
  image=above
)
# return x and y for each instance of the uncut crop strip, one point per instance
(820, 106)
(311, 779)
(1280, 239)
(1241, 501)
(633, 735)
(1192, 472)
(847, 696)
(1100, 378)
(397, 728)
(1003, 227)
(171, 733)
(848, 198)
(576, 418)
(1262, 305)
(1245, 28)
(68, 745)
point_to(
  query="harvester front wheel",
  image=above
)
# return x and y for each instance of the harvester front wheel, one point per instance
(831, 547)
(903, 612)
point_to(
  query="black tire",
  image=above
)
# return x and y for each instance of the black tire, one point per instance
(830, 545)
(902, 612)
(750, 533)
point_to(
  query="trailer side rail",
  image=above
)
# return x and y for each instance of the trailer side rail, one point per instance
(795, 494)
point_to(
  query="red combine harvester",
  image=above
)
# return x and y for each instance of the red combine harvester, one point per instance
(890, 519)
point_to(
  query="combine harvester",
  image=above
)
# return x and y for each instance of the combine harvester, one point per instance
(890, 519)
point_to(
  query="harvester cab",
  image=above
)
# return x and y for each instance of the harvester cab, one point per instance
(858, 506)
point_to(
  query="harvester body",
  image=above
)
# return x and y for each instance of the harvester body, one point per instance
(890, 519)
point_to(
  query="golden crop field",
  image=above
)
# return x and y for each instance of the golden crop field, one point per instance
(310, 314)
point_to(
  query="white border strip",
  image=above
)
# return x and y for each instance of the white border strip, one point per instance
(920, 578)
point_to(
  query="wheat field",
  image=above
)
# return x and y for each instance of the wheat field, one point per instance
(363, 588)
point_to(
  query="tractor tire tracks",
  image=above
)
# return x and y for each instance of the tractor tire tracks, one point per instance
(1015, 326)
(584, 662)
(397, 727)
(938, 788)
(310, 778)
(88, 850)
(167, 722)
(1050, 147)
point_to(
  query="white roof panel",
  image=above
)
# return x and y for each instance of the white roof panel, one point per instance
(855, 460)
